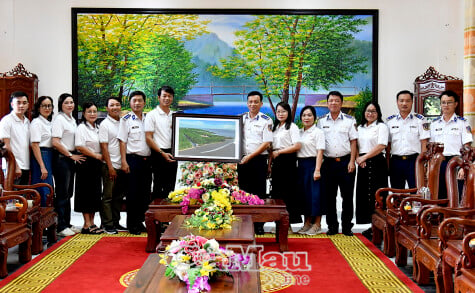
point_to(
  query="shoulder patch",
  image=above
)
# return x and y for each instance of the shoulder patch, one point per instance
(426, 126)
(437, 119)
(461, 118)
(419, 116)
(390, 117)
(348, 116)
(264, 116)
(126, 116)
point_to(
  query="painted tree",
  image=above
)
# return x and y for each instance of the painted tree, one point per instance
(283, 53)
(111, 49)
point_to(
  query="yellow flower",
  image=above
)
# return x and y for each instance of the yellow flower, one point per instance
(211, 225)
(185, 258)
(207, 269)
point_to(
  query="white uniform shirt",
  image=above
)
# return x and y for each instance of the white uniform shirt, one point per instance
(405, 135)
(18, 131)
(256, 131)
(40, 131)
(338, 134)
(160, 123)
(64, 127)
(284, 138)
(132, 132)
(88, 136)
(371, 136)
(108, 131)
(453, 134)
(312, 141)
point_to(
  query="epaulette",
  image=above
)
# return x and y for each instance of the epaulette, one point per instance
(348, 116)
(419, 116)
(126, 116)
(265, 116)
(321, 117)
(437, 119)
(461, 118)
(390, 117)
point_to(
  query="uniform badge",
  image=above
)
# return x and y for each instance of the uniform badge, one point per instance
(270, 127)
(426, 126)
(469, 129)
(356, 127)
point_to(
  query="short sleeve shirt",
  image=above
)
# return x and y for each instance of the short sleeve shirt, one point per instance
(284, 138)
(312, 141)
(64, 127)
(160, 123)
(40, 132)
(406, 134)
(338, 134)
(369, 136)
(108, 131)
(18, 131)
(132, 132)
(88, 136)
(453, 134)
(257, 130)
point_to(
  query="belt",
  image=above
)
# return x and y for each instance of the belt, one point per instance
(405, 157)
(137, 156)
(339, 159)
(448, 158)
(46, 149)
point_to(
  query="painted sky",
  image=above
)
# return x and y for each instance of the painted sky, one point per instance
(207, 123)
(224, 26)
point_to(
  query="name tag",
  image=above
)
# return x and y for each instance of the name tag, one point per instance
(326, 126)
(135, 127)
(395, 127)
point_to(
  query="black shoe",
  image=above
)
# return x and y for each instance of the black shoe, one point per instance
(111, 230)
(120, 227)
(260, 231)
(347, 232)
(331, 232)
(142, 228)
(135, 231)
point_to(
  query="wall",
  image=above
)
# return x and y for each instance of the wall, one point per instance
(413, 35)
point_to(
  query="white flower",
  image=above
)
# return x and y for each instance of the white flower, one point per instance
(219, 171)
(213, 245)
(205, 196)
(181, 270)
(174, 246)
(199, 165)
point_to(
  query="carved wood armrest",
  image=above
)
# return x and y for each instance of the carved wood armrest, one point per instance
(27, 193)
(453, 228)
(468, 253)
(21, 216)
(427, 218)
(393, 200)
(49, 196)
(379, 199)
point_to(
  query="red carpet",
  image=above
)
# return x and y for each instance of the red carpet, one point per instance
(110, 258)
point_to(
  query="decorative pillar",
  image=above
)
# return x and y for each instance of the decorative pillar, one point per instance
(469, 64)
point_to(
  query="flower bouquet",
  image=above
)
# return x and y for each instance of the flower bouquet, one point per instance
(194, 172)
(195, 259)
(214, 213)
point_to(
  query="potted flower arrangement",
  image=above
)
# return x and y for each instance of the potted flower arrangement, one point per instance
(194, 172)
(195, 259)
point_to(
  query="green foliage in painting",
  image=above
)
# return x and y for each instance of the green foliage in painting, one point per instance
(115, 53)
(197, 137)
(283, 53)
(361, 99)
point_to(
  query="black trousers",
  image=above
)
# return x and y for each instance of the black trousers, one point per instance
(63, 172)
(284, 185)
(164, 175)
(252, 176)
(335, 174)
(402, 169)
(442, 181)
(138, 196)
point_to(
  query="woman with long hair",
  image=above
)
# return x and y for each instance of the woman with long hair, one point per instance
(283, 159)
(88, 189)
(372, 165)
(41, 145)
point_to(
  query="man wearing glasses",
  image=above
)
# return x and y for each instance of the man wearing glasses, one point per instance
(408, 136)
(451, 130)
(15, 132)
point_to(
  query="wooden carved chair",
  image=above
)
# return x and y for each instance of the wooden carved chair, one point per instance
(384, 219)
(406, 229)
(465, 276)
(40, 218)
(439, 252)
(14, 232)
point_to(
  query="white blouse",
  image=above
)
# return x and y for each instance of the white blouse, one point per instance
(312, 140)
(64, 127)
(285, 137)
(372, 135)
(88, 136)
(41, 132)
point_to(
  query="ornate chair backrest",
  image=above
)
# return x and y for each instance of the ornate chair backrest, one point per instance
(428, 167)
(7, 182)
(465, 161)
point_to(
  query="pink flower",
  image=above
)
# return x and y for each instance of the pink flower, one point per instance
(201, 240)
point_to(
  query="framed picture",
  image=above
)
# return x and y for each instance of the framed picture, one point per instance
(214, 57)
(202, 137)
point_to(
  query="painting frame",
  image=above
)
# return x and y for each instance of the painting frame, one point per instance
(207, 138)
(79, 95)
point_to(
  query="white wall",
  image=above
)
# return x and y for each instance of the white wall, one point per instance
(413, 35)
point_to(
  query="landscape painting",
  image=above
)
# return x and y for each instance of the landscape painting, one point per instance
(213, 58)
(207, 137)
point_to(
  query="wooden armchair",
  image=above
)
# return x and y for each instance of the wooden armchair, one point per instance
(465, 276)
(440, 255)
(40, 218)
(384, 220)
(14, 232)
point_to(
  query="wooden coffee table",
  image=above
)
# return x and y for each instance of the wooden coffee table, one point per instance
(274, 210)
(241, 233)
(151, 279)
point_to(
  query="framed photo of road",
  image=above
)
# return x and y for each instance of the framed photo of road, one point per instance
(204, 137)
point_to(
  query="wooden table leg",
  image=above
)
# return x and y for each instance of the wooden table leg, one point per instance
(283, 231)
(153, 232)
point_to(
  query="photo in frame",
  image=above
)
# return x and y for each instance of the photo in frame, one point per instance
(204, 137)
